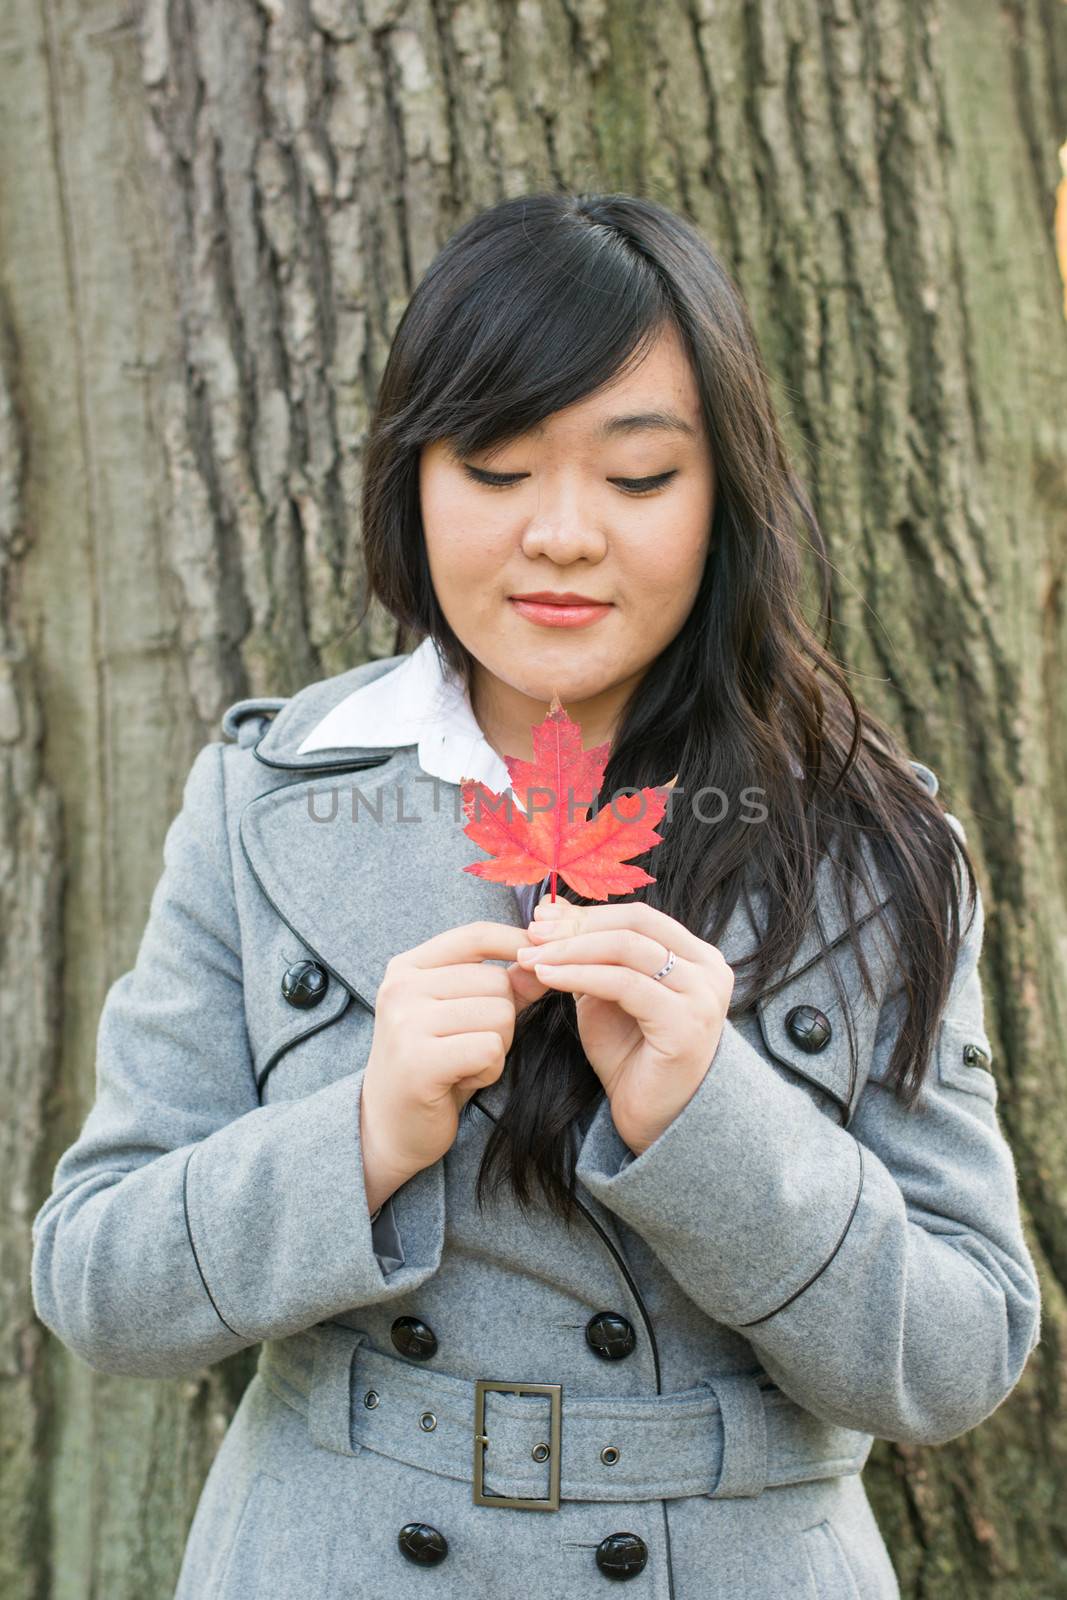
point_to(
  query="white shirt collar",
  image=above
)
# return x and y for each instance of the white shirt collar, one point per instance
(420, 703)
(415, 703)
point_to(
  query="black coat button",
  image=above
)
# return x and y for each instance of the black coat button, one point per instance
(809, 1028)
(621, 1555)
(610, 1335)
(422, 1543)
(304, 984)
(413, 1338)
(975, 1056)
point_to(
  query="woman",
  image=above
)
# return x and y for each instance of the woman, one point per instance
(558, 1213)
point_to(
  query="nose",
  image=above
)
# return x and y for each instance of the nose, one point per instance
(561, 531)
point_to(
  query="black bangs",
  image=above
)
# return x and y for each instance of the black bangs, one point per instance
(532, 309)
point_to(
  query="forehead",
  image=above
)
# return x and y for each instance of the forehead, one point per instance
(657, 393)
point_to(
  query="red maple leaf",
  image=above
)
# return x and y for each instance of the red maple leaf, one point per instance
(553, 832)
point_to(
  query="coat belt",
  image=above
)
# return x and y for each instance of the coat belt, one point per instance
(729, 1436)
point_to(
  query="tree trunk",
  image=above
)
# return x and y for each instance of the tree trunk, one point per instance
(212, 213)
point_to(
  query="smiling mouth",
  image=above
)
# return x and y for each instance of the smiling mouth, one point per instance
(555, 613)
(568, 599)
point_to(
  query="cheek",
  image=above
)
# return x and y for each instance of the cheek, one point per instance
(669, 553)
(463, 539)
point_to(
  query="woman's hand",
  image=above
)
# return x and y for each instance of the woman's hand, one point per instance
(444, 1019)
(649, 1041)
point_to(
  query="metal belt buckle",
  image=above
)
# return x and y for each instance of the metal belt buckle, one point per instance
(519, 1502)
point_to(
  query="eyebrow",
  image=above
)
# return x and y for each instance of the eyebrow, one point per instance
(636, 422)
(639, 422)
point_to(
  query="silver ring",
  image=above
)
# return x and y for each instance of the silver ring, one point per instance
(663, 971)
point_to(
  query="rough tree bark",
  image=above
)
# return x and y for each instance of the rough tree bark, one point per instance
(212, 213)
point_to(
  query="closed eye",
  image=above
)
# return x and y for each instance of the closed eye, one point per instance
(504, 480)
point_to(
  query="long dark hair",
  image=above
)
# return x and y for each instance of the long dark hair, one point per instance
(533, 304)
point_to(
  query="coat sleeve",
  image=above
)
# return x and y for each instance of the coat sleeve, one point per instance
(187, 1220)
(879, 1271)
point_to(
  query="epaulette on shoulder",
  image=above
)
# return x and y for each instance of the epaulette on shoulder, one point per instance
(245, 720)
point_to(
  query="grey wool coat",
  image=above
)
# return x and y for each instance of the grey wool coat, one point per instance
(795, 1267)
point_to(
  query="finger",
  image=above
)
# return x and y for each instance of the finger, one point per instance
(618, 946)
(471, 941)
(472, 1060)
(641, 997)
(635, 914)
(526, 986)
(453, 983)
(472, 1014)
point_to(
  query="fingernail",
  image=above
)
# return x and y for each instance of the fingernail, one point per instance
(545, 908)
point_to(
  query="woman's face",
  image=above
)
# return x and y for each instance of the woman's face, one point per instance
(611, 499)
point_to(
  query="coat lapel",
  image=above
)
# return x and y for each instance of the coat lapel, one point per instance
(368, 862)
(361, 863)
